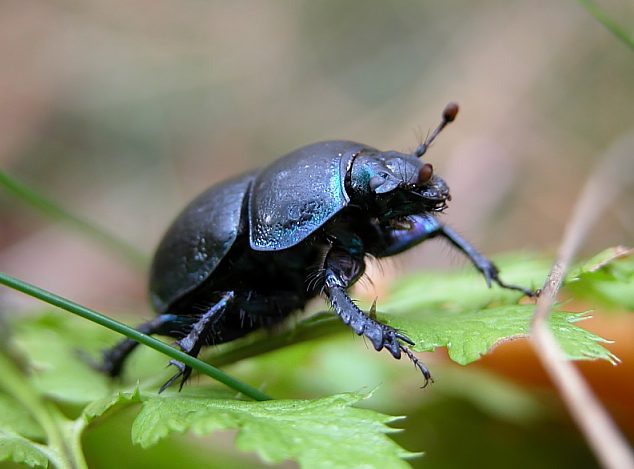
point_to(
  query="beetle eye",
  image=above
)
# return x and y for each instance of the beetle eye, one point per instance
(375, 182)
(425, 173)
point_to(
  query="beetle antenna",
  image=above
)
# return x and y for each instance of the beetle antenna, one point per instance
(448, 115)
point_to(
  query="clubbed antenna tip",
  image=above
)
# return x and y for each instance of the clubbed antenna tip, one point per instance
(450, 112)
(448, 115)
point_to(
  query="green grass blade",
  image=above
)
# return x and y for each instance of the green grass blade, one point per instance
(606, 20)
(52, 210)
(133, 334)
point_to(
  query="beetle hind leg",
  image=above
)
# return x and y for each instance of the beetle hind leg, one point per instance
(198, 336)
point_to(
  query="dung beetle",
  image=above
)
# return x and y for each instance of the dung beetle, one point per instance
(250, 251)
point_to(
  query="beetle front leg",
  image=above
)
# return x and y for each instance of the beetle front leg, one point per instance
(418, 228)
(484, 265)
(341, 270)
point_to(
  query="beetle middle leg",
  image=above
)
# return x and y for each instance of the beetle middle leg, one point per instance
(341, 270)
(197, 337)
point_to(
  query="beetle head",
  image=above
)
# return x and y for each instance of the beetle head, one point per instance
(397, 184)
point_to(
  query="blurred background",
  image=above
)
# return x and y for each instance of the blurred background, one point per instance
(121, 112)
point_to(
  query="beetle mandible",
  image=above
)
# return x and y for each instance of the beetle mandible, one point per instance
(250, 251)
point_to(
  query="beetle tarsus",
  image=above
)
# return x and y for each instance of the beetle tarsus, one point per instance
(527, 291)
(183, 370)
(491, 274)
(419, 365)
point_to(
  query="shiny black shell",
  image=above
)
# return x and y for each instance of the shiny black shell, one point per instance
(277, 208)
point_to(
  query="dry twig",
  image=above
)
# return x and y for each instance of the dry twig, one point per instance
(608, 444)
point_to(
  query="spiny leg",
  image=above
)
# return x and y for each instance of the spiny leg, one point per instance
(194, 341)
(341, 270)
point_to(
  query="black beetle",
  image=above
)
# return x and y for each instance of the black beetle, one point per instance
(250, 251)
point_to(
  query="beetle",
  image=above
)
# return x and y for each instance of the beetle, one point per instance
(250, 251)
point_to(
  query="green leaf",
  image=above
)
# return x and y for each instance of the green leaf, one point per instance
(607, 278)
(326, 432)
(59, 436)
(470, 334)
(466, 289)
(455, 310)
(52, 342)
(21, 450)
(99, 407)
(15, 418)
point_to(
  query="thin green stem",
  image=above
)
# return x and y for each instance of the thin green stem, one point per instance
(133, 334)
(74, 430)
(606, 20)
(52, 210)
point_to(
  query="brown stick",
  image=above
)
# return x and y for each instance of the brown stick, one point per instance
(604, 438)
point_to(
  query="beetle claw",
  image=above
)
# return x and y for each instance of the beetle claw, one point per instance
(405, 339)
(183, 370)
